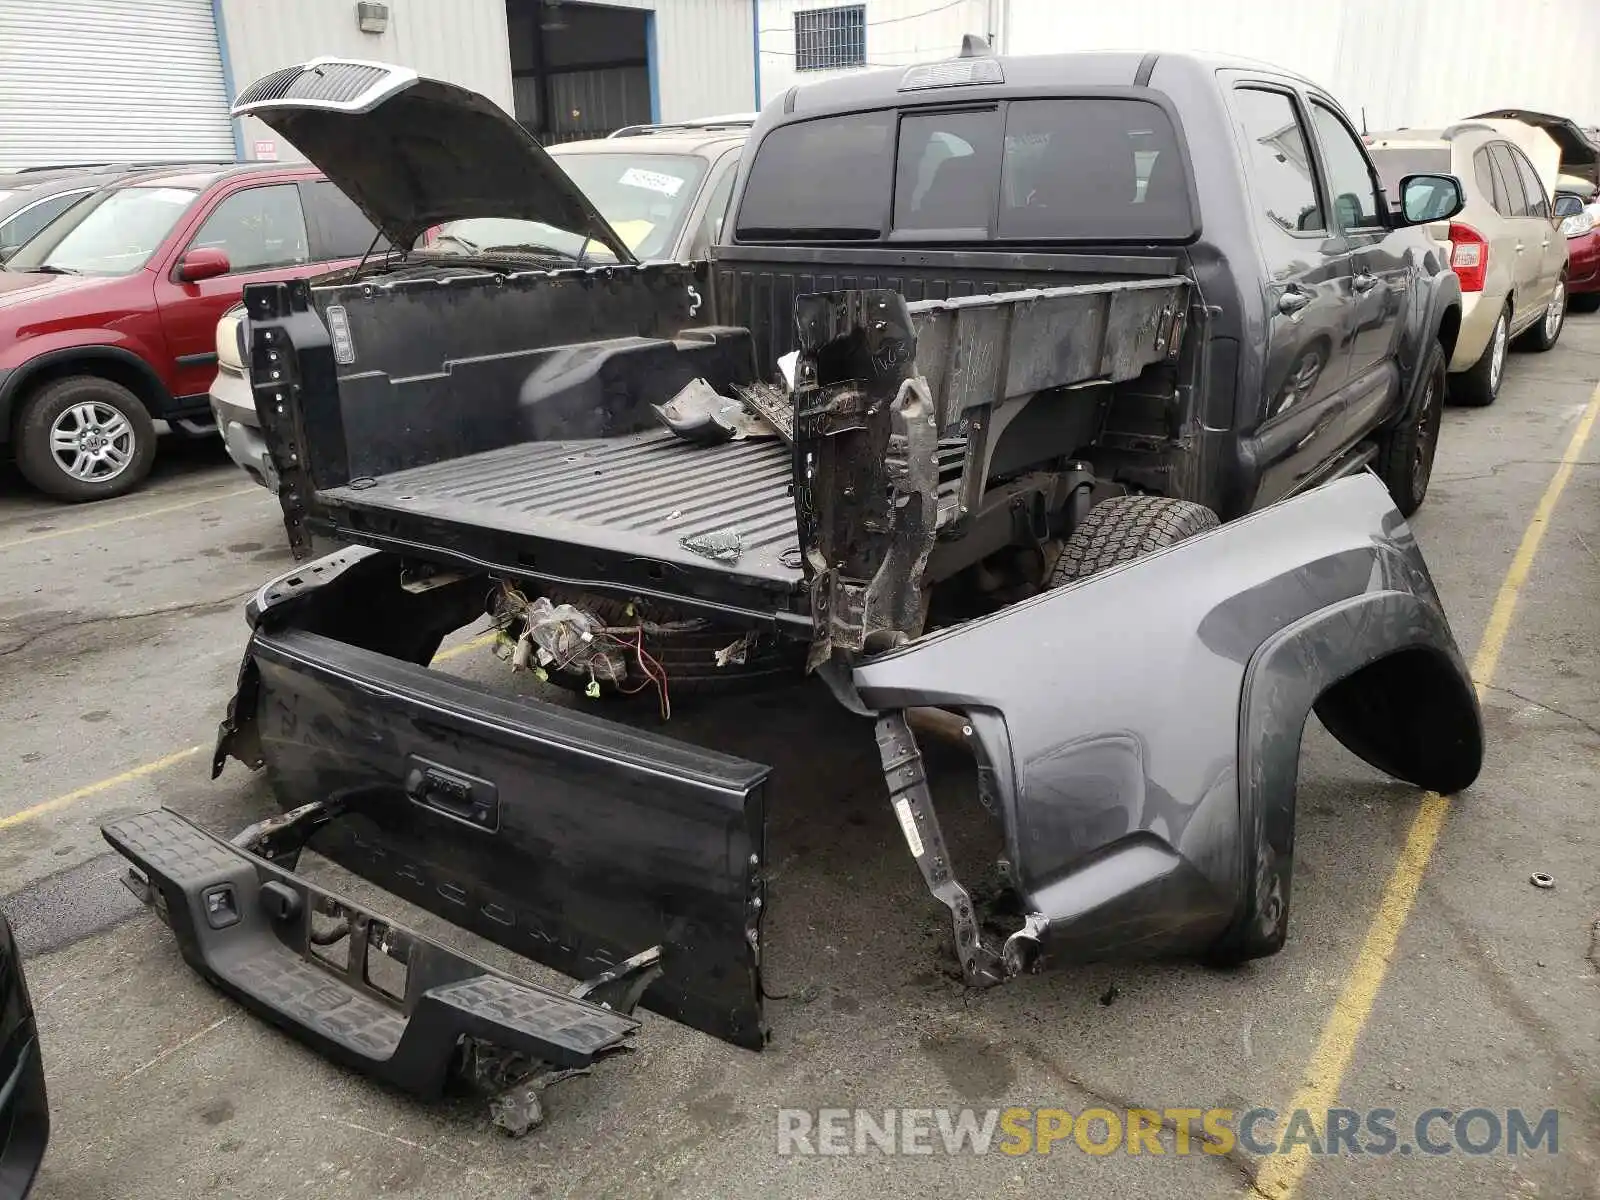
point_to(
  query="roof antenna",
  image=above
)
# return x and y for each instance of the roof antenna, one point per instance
(975, 45)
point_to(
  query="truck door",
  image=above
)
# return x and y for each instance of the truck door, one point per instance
(1379, 282)
(1308, 316)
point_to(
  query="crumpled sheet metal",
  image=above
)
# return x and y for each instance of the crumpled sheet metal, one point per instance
(702, 415)
(720, 545)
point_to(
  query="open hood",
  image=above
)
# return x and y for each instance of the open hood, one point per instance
(414, 152)
(1579, 155)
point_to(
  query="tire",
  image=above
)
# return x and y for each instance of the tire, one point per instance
(1405, 454)
(1586, 302)
(1479, 384)
(1546, 332)
(90, 407)
(1124, 528)
(688, 657)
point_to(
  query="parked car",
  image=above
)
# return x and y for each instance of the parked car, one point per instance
(108, 315)
(24, 1112)
(1577, 209)
(664, 188)
(1053, 319)
(1503, 246)
(30, 200)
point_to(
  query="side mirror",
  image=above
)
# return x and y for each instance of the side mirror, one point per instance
(1425, 198)
(206, 262)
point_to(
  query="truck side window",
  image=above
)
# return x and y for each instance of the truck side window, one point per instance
(947, 171)
(1350, 182)
(1280, 159)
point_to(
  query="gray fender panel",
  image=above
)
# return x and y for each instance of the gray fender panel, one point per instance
(1141, 729)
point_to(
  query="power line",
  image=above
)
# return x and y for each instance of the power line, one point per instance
(927, 12)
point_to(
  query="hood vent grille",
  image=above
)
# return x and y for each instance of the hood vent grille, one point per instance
(334, 83)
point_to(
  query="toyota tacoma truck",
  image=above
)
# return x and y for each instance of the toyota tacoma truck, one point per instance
(1078, 398)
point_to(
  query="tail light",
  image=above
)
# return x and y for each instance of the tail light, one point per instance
(1469, 257)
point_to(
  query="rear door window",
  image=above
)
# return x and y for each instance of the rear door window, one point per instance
(1093, 169)
(947, 172)
(337, 228)
(1532, 185)
(1281, 173)
(823, 179)
(1517, 200)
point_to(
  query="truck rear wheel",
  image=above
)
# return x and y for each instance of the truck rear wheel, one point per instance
(1405, 454)
(1124, 528)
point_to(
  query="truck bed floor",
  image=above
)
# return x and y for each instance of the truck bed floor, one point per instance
(640, 495)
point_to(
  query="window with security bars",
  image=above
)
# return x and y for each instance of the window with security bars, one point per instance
(827, 38)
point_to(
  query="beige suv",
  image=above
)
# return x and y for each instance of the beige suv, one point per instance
(1504, 246)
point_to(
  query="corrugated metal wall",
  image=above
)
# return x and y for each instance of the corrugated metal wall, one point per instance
(463, 41)
(112, 80)
(1408, 62)
(705, 56)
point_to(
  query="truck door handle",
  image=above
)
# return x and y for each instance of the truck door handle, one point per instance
(1293, 299)
(1519, 247)
(1364, 281)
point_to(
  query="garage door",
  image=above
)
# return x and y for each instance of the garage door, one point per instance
(110, 81)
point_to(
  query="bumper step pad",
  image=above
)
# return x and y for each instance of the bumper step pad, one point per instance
(246, 925)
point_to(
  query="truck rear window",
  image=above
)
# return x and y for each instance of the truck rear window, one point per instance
(1075, 169)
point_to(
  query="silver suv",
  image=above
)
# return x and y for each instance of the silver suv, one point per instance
(1504, 246)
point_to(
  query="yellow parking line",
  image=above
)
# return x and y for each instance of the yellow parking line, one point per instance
(1280, 1176)
(94, 789)
(483, 639)
(138, 516)
(161, 764)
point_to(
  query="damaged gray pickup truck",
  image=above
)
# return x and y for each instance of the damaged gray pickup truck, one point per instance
(1000, 398)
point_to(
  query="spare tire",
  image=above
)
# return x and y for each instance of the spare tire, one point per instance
(687, 647)
(1124, 528)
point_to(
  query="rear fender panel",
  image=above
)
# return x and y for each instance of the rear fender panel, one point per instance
(1141, 729)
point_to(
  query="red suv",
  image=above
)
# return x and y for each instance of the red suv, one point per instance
(108, 317)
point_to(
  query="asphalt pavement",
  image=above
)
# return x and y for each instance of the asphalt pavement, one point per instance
(1423, 970)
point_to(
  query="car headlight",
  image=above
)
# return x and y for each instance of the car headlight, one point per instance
(1577, 224)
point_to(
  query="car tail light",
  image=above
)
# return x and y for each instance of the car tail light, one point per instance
(1469, 257)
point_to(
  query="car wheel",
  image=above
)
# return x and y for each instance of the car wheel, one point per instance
(1405, 454)
(1479, 384)
(1124, 528)
(84, 438)
(1588, 302)
(1547, 331)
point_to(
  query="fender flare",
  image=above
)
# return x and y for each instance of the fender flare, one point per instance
(1443, 295)
(15, 382)
(1381, 672)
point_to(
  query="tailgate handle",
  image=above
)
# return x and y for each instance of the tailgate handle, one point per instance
(443, 789)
